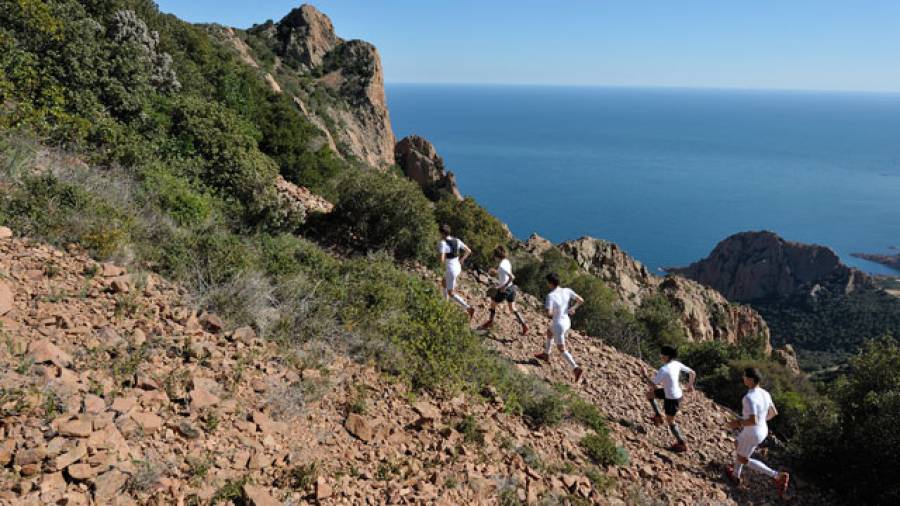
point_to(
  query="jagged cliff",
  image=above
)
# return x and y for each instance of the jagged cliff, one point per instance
(761, 266)
(419, 161)
(705, 314)
(337, 84)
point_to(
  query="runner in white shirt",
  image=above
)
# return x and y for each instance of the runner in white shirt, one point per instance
(505, 290)
(453, 254)
(559, 306)
(758, 409)
(666, 385)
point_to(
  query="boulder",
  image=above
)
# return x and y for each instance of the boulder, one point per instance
(259, 497)
(419, 161)
(44, 351)
(359, 427)
(5, 233)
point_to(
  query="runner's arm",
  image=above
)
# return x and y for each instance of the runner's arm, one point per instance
(692, 377)
(578, 302)
(750, 421)
(772, 413)
(466, 252)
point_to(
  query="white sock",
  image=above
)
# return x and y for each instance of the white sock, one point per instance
(762, 468)
(461, 301)
(570, 359)
(738, 467)
(548, 346)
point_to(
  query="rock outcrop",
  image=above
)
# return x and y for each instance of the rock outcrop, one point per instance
(761, 266)
(344, 94)
(892, 261)
(705, 314)
(419, 161)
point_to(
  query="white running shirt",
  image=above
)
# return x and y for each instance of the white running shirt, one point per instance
(757, 402)
(558, 303)
(669, 376)
(504, 272)
(444, 248)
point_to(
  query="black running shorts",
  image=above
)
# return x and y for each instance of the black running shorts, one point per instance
(508, 295)
(670, 406)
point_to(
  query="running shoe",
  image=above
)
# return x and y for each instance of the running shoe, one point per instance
(678, 448)
(578, 372)
(781, 484)
(524, 329)
(471, 312)
(486, 325)
(735, 479)
(656, 420)
(542, 356)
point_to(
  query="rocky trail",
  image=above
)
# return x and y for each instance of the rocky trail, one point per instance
(615, 383)
(114, 390)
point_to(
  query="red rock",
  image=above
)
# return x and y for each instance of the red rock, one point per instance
(82, 471)
(108, 485)
(244, 335)
(53, 482)
(147, 421)
(71, 457)
(259, 497)
(323, 489)
(213, 323)
(5, 233)
(111, 270)
(202, 398)
(359, 427)
(7, 299)
(76, 428)
(43, 351)
(32, 456)
(94, 405)
(123, 404)
(7, 447)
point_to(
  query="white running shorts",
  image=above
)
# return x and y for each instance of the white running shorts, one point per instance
(749, 439)
(452, 272)
(560, 329)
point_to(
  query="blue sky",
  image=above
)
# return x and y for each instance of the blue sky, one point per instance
(789, 44)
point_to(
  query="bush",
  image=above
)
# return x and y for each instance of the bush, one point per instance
(377, 211)
(475, 226)
(857, 429)
(603, 451)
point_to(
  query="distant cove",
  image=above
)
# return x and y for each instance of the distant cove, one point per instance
(667, 173)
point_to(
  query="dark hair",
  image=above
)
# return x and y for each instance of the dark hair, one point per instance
(553, 279)
(669, 351)
(500, 252)
(445, 229)
(754, 374)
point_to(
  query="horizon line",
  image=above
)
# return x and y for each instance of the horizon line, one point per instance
(648, 86)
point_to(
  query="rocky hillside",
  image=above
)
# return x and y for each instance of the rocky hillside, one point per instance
(760, 266)
(705, 314)
(114, 391)
(807, 295)
(337, 84)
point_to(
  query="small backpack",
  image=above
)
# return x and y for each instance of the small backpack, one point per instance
(453, 244)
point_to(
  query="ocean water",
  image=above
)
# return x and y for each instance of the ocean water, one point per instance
(668, 173)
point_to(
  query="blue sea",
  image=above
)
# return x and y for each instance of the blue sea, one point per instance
(668, 173)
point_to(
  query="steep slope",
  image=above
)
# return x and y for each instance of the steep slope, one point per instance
(807, 295)
(337, 84)
(114, 390)
(616, 383)
(705, 314)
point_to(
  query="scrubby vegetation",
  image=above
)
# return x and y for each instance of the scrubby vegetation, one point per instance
(479, 229)
(190, 142)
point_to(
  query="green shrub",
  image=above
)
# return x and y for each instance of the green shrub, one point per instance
(856, 428)
(603, 451)
(377, 211)
(660, 321)
(475, 226)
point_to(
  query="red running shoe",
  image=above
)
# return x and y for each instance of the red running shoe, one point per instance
(678, 448)
(656, 420)
(486, 325)
(524, 329)
(781, 484)
(578, 372)
(735, 479)
(542, 356)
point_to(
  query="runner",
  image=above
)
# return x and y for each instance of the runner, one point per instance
(758, 409)
(505, 290)
(666, 385)
(451, 248)
(559, 308)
